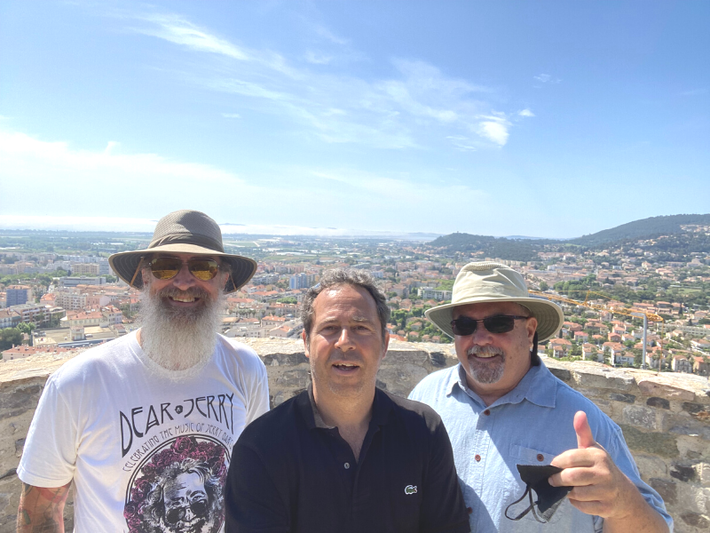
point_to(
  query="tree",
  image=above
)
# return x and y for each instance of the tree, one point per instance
(10, 337)
(544, 286)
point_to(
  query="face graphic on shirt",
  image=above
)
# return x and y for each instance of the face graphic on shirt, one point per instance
(178, 489)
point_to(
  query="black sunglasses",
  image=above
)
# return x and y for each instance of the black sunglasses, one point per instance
(464, 325)
(198, 508)
(165, 268)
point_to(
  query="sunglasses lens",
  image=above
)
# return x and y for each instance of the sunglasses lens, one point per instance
(204, 269)
(499, 324)
(165, 267)
(463, 326)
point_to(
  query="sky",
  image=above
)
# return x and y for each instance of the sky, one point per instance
(540, 118)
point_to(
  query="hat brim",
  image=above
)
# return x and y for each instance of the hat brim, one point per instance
(125, 264)
(549, 315)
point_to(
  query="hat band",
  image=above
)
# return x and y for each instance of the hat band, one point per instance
(199, 240)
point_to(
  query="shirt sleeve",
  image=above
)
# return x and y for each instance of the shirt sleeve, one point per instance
(443, 508)
(49, 456)
(252, 502)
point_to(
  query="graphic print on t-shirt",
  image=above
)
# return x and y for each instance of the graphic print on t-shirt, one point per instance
(177, 487)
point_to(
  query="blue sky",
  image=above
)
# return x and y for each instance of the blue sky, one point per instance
(545, 118)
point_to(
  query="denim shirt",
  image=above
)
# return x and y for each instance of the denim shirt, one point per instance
(530, 425)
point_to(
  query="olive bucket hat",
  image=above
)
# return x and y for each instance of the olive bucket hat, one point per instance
(486, 282)
(184, 232)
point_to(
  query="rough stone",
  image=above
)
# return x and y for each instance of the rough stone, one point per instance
(19, 446)
(641, 416)
(657, 443)
(626, 398)
(20, 400)
(659, 387)
(697, 410)
(683, 473)
(655, 401)
(284, 359)
(603, 378)
(696, 520)
(651, 466)
(667, 489)
(438, 359)
(562, 374)
(703, 472)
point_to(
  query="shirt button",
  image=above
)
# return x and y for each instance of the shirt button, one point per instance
(346, 466)
(540, 457)
(487, 412)
(477, 458)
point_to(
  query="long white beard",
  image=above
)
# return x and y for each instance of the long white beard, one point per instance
(178, 339)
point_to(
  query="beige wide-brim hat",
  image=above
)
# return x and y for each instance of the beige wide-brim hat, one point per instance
(486, 282)
(184, 232)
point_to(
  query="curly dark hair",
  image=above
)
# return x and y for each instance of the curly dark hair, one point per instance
(345, 276)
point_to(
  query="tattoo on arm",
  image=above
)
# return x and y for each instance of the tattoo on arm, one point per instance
(42, 509)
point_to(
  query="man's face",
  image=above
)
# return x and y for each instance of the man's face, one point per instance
(179, 316)
(184, 293)
(345, 345)
(495, 362)
(186, 503)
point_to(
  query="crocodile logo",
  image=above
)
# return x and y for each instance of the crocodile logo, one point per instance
(410, 489)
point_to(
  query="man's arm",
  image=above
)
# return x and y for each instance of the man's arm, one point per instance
(443, 507)
(601, 489)
(42, 509)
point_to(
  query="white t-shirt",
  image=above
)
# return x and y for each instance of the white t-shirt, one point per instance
(146, 452)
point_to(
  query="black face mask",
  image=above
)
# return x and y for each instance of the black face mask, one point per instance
(549, 498)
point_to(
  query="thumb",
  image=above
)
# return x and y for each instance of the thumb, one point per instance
(585, 439)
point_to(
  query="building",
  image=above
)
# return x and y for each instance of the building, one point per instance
(17, 295)
(301, 281)
(85, 269)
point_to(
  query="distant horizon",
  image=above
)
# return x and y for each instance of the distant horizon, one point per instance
(147, 226)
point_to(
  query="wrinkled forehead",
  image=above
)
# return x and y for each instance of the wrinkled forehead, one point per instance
(483, 310)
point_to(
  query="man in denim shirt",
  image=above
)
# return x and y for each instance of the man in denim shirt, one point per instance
(502, 407)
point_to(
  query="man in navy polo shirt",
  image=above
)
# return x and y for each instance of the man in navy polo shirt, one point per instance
(344, 456)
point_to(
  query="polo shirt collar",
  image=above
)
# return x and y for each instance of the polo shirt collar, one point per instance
(306, 403)
(538, 386)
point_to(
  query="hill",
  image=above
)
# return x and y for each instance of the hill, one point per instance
(646, 228)
(672, 236)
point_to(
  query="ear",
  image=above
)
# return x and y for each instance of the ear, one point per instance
(226, 279)
(305, 343)
(385, 345)
(531, 328)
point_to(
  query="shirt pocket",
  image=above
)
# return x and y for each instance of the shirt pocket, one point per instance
(524, 455)
(530, 456)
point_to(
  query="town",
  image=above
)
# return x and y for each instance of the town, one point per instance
(626, 305)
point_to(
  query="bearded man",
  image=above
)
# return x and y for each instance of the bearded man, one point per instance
(515, 428)
(117, 419)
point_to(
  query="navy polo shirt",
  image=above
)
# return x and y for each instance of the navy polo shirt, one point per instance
(291, 473)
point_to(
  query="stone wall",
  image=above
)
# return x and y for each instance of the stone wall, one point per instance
(665, 417)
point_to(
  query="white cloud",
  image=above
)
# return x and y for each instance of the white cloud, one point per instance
(179, 31)
(526, 113)
(231, 115)
(495, 128)
(414, 107)
(546, 78)
(318, 58)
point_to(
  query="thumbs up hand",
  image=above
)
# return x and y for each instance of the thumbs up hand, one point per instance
(600, 488)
